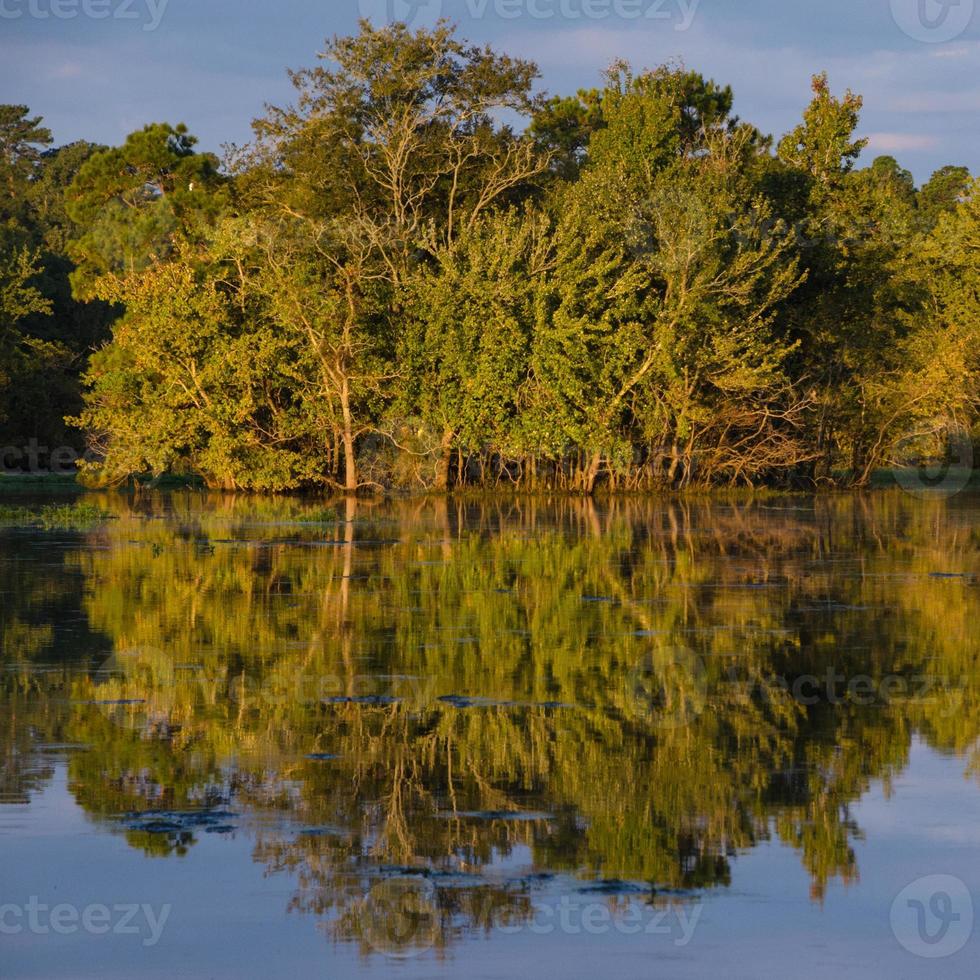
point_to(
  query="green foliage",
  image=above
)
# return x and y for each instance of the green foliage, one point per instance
(19, 298)
(136, 203)
(941, 195)
(193, 383)
(823, 145)
(22, 141)
(660, 305)
(564, 127)
(54, 517)
(391, 287)
(949, 334)
(466, 352)
(44, 332)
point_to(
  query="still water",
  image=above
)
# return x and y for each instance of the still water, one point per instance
(638, 738)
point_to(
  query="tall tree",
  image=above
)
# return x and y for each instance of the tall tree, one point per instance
(941, 194)
(390, 154)
(135, 203)
(22, 142)
(664, 287)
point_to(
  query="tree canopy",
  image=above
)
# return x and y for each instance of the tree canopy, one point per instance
(423, 273)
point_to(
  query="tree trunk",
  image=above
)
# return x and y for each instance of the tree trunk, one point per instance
(224, 482)
(675, 461)
(347, 437)
(592, 473)
(444, 463)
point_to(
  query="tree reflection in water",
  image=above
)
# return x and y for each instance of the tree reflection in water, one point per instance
(476, 696)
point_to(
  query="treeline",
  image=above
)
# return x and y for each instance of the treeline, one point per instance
(629, 288)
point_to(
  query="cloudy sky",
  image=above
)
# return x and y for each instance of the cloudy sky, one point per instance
(98, 69)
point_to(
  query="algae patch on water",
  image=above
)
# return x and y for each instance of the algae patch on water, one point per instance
(54, 517)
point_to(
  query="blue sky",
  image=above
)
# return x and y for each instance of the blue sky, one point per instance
(98, 69)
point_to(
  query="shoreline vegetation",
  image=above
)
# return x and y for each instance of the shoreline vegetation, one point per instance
(79, 516)
(45, 486)
(626, 290)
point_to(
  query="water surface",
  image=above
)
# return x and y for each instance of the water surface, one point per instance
(636, 738)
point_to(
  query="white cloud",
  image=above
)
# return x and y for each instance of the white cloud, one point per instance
(67, 69)
(961, 52)
(933, 102)
(896, 142)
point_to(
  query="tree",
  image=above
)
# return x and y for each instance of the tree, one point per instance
(389, 157)
(22, 142)
(942, 194)
(466, 347)
(664, 286)
(823, 145)
(423, 273)
(18, 300)
(137, 212)
(135, 203)
(945, 374)
(43, 361)
(563, 127)
(853, 232)
(198, 380)
(322, 287)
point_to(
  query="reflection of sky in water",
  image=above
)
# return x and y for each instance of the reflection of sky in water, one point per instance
(230, 921)
(552, 720)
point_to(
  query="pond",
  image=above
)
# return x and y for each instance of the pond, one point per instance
(425, 738)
